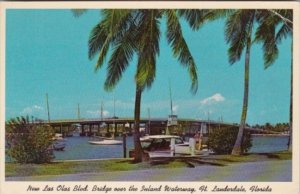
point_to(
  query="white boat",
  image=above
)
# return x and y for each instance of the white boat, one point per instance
(160, 146)
(58, 136)
(59, 145)
(106, 142)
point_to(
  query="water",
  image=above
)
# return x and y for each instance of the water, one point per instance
(267, 144)
(78, 147)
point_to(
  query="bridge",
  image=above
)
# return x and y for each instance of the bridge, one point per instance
(150, 126)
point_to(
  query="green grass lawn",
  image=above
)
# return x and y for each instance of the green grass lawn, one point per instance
(73, 167)
(227, 159)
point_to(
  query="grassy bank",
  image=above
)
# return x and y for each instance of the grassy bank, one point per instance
(73, 167)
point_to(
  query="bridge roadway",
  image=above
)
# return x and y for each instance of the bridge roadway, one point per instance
(117, 125)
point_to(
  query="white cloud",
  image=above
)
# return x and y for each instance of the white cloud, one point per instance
(105, 113)
(175, 108)
(213, 99)
(37, 107)
(97, 113)
(32, 109)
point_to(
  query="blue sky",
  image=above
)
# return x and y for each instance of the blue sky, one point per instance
(46, 52)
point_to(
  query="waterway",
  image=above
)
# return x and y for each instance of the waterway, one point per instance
(78, 148)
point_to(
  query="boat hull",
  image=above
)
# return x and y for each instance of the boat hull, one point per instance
(106, 142)
(59, 146)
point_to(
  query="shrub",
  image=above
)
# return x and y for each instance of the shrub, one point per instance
(29, 143)
(221, 140)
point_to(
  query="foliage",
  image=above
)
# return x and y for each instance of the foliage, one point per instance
(27, 142)
(123, 33)
(128, 32)
(238, 34)
(222, 140)
(278, 127)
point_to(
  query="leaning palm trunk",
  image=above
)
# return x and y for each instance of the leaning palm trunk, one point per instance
(237, 149)
(138, 157)
(290, 143)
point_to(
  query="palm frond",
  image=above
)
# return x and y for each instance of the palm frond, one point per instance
(120, 58)
(283, 32)
(237, 31)
(103, 35)
(265, 33)
(180, 48)
(194, 17)
(78, 12)
(198, 17)
(284, 14)
(148, 37)
(97, 39)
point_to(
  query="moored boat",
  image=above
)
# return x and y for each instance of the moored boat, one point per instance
(106, 142)
(59, 145)
(169, 145)
(58, 136)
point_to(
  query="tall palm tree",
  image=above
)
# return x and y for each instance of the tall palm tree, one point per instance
(239, 29)
(126, 32)
(283, 20)
(238, 33)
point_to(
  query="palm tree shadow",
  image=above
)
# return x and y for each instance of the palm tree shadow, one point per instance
(270, 155)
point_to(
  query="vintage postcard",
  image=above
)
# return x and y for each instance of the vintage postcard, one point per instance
(149, 97)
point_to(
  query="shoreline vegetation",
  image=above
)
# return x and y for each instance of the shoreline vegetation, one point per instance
(112, 165)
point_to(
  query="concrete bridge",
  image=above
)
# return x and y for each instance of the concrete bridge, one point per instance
(150, 126)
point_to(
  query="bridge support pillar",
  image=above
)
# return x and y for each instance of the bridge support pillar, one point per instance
(130, 127)
(116, 128)
(82, 129)
(107, 127)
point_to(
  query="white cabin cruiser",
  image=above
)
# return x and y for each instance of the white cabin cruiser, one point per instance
(105, 141)
(169, 145)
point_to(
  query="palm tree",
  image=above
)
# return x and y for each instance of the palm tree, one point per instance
(266, 33)
(238, 33)
(239, 28)
(126, 32)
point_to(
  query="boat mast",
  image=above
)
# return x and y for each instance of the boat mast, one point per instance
(101, 111)
(114, 106)
(48, 107)
(114, 125)
(149, 121)
(78, 111)
(171, 102)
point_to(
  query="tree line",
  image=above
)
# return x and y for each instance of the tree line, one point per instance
(278, 127)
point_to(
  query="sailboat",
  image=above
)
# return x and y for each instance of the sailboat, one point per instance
(106, 140)
(172, 118)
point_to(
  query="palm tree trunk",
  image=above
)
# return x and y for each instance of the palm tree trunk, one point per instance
(290, 143)
(138, 157)
(237, 148)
